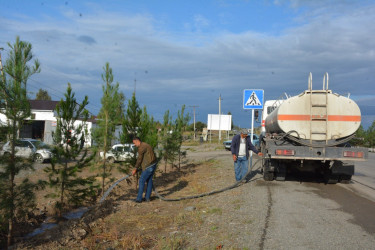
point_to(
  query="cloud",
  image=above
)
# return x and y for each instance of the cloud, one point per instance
(195, 66)
(86, 39)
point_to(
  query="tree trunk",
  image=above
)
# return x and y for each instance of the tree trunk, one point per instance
(12, 175)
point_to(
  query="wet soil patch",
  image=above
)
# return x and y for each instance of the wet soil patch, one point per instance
(361, 208)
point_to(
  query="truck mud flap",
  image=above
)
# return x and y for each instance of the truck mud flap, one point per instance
(339, 172)
(341, 168)
(280, 172)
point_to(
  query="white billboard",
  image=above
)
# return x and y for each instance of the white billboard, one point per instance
(219, 122)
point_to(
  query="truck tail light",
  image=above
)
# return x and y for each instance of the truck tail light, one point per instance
(284, 152)
(353, 154)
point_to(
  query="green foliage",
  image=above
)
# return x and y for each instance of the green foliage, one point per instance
(148, 130)
(181, 124)
(109, 117)
(370, 137)
(131, 122)
(69, 156)
(130, 127)
(137, 122)
(365, 138)
(198, 126)
(42, 95)
(359, 137)
(15, 198)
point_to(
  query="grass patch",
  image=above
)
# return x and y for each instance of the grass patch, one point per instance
(249, 221)
(191, 143)
(214, 228)
(215, 210)
(175, 242)
(183, 219)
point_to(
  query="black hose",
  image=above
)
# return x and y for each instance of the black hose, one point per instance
(206, 194)
(300, 141)
(111, 187)
(181, 198)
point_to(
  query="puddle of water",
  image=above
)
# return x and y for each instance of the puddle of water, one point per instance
(45, 226)
(359, 174)
(75, 214)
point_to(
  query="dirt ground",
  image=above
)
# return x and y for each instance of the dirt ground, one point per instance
(120, 223)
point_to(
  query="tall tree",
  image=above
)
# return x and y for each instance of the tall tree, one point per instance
(15, 198)
(130, 127)
(370, 136)
(148, 129)
(168, 152)
(132, 118)
(43, 95)
(109, 117)
(70, 156)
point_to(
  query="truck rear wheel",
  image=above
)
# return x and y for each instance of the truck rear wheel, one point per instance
(330, 178)
(345, 179)
(267, 176)
(268, 169)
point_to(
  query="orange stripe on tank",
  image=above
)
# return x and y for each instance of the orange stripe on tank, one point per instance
(331, 118)
(293, 117)
(344, 118)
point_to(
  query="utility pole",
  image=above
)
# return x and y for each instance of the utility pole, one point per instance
(193, 106)
(220, 117)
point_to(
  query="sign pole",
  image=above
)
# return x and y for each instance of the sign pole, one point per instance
(251, 139)
(252, 99)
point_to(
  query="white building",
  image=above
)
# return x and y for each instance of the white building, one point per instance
(43, 122)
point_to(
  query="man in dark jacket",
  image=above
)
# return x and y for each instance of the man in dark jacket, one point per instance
(241, 144)
(146, 162)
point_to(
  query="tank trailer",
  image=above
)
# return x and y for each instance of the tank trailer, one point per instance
(310, 133)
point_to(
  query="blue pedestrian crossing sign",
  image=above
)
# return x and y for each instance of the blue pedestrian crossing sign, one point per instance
(253, 98)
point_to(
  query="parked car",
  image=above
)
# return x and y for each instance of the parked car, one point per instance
(227, 144)
(256, 143)
(30, 148)
(119, 152)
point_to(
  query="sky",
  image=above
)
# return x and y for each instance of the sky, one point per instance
(178, 52)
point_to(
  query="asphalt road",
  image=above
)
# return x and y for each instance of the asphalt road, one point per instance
(292, 214)
(363, 181)
(313, 215)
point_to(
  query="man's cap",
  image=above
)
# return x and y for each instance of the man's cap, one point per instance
(134, 137)
(244, 131)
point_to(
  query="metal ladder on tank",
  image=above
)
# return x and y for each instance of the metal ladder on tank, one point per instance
(318, 109)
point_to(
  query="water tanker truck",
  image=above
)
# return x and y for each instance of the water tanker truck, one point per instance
(309, 133)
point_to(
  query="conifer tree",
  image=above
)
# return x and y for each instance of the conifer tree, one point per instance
(42, 95)
(109, 117)
(130, 127)
(148, 130)
(70, 156)
(137, 122)
(132, 118)
(181, 124)
(168, 151)
(15, 199)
